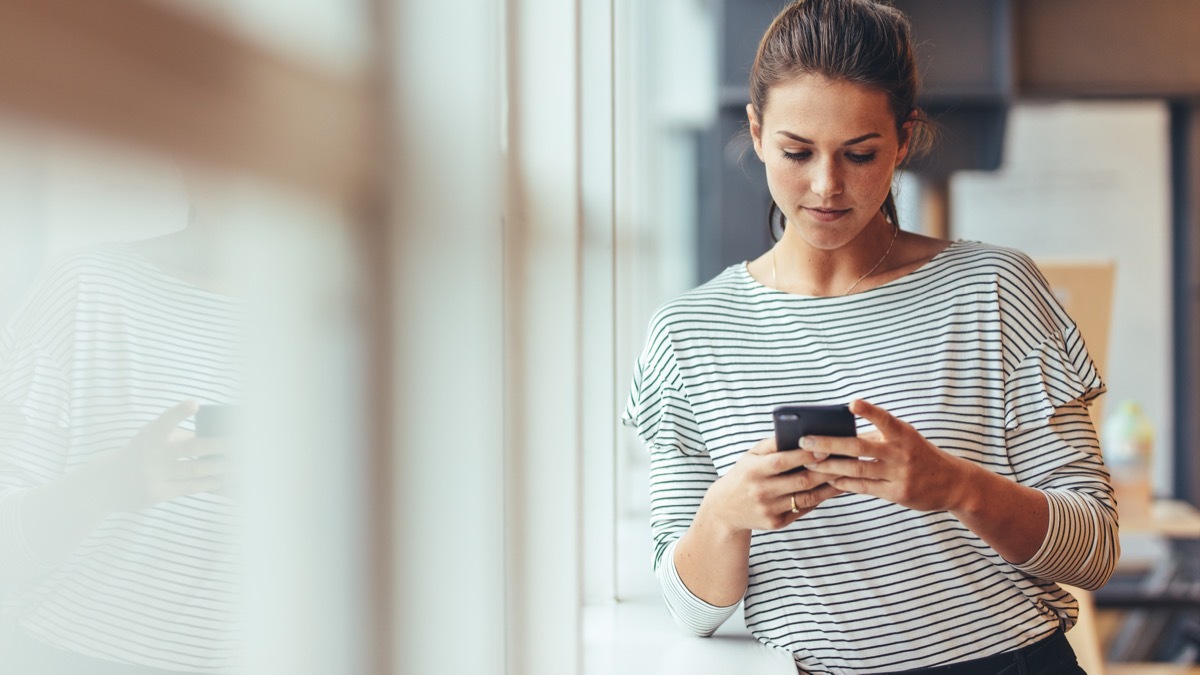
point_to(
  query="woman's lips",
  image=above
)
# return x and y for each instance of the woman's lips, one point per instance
(825, 215)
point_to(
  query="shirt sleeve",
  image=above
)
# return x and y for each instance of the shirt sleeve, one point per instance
(1081, 546)
(1052, 445)
(1046, 361)
(681, 471)
(35, 353)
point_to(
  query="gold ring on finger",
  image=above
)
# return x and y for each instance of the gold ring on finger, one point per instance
(795, 509)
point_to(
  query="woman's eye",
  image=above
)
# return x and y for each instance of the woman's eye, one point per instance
(861, 158)
(797, 156)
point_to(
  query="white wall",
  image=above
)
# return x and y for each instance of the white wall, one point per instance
(21, 236)
(61, 191)
(1091, 180)
(449, 420)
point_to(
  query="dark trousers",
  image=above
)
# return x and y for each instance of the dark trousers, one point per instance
(1051, 656)
(30, 656)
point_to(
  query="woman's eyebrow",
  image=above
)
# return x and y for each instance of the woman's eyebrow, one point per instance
(852, 141)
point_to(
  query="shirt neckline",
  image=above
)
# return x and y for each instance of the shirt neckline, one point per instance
(762, 289)
(140, 258)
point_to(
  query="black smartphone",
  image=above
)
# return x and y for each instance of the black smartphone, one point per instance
(216, 420)
(793, 422)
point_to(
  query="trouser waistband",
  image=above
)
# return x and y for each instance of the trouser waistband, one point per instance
(1050, 656)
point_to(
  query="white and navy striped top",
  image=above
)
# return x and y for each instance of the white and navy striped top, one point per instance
(104, 344)
(974, 351)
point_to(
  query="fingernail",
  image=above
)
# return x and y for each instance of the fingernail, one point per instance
(820, 455)
(806, 442)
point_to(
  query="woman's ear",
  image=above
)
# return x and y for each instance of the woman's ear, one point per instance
(755, 130)
(906, 132)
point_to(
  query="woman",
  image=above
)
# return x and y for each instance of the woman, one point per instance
(975, 484)
(118, 535)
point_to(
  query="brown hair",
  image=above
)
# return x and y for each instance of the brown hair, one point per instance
(862, 42)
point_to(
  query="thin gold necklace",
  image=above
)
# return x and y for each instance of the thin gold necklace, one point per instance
(895, 234)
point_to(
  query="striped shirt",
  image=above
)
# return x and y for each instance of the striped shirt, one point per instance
(104, 344)
(974, 351)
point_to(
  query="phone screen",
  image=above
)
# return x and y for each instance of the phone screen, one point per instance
(793, 422)
(216, 420)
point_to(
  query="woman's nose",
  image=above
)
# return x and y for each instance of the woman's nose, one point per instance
(827, 179)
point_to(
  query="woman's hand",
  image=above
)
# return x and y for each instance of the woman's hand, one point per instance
(895, 463)
(756, 494)
(712, 557)
(161, 463)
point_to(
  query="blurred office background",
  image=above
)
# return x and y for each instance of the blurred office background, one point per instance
(447, 224)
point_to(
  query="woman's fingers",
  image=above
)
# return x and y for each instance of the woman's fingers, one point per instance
(806, 500)
(809, 487)
(198, 447)
(852, 468)
(210, 484)
(179, 435)
(764, 447)
(862, 486)
(195, 486)
(888, 424)
(821, 447)
(811, 499)
(165, 423)
(778, 463)
(758, 492)
(801, 481)
(200, 467)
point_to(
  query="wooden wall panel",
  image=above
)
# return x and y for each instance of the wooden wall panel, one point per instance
(146, 73)
(1108, 47)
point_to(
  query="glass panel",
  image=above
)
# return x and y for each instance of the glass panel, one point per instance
(180, 457)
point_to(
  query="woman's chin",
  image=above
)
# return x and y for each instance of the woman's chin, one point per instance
(827, 237)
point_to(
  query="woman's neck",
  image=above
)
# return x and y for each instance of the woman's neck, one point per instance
(191, 255)
(800, 268)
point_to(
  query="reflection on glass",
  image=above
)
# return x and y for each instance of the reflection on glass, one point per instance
(118, 515)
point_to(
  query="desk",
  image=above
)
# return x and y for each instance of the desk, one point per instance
(1151, 669)
(1167, 518)
(1158, 580)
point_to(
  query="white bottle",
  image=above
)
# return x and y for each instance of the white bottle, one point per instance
(1128, 446)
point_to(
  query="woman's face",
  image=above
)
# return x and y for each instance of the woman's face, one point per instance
(830, 149)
